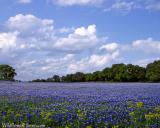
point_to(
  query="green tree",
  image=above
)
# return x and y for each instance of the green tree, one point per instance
(68, 78)
(118, 72)
(97, 76)
(107, 74)
(78, 77)
(56, 78)
(88, 77)
(135, 73)
(153, 71)
(7, 72)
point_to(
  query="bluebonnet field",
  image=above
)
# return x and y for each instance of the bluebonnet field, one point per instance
(81, 105)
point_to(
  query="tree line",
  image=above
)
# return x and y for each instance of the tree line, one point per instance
(116, 73)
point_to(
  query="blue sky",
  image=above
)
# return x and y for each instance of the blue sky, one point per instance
(40, 38)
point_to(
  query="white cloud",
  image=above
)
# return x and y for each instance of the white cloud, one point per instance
(78, 2)
(102, 60)
(31, 25)
(33, 32)
(122, 5)
(149, 45)
(24, 1)
(81, 39)
(93, 62)
(91, 30)
(40, 34)
(110, 47)
(66, 30)
(8, 40)
(25, 22)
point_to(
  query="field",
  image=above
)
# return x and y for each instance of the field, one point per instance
(80, 105)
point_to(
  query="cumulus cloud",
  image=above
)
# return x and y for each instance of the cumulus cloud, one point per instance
(97, 61)
(7, 40)
(82, 38)
(93, 62)
(149, 45)
(29, 25)
(110, 47)
(102, 60)
(37, 47)
(66, 30)
(40, 34)
(33, 32)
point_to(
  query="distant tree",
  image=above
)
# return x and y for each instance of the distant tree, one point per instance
(49, 80)
(88, 77)
(56, 78)
(40, 80)
(107, 74)
(36, 80)
(63, 79)
(97, 76)
(78, 77)
(135, 73)
(68, 78)
(118, 72)
(7, 72)
(153, 71)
